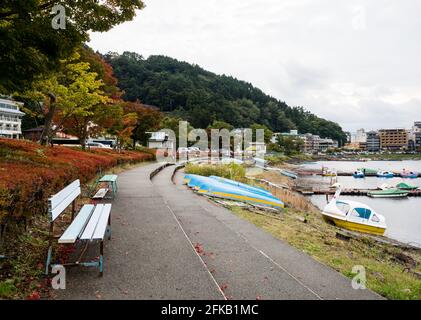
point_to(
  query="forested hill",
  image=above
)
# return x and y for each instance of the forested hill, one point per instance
(201, 97)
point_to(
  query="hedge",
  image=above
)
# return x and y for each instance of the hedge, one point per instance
(30, 173)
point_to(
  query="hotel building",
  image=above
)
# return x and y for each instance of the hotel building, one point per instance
(10, 119)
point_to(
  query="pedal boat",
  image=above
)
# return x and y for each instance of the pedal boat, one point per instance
(385, 174)
(358, 174)
(409, 174)
(353, 215)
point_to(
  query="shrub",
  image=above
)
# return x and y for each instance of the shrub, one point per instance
(30, 173)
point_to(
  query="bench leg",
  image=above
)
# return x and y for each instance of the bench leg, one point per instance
(109, 228)
(101, 258)
(47, 263)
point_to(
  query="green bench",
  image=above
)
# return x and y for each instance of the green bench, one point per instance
(111, 181)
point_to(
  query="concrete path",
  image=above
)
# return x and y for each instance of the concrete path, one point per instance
(149, 257)
(247, 261)
(158, 230)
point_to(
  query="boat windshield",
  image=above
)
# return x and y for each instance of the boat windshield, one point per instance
(375, 218)
(343, 206)
(361, 213)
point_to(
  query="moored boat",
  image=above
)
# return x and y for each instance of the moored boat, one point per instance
(385, 174)
(409, 174)
(388, 193)
(353, 215)
(368, 171)
(405, 186)
(326, 172)
(358, 174)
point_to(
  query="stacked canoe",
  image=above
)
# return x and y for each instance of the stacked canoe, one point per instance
(218, 187)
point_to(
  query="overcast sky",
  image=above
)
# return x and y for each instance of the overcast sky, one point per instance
(358, 63)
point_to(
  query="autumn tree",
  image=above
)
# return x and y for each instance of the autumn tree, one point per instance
(121, 124)
(148, 120)
(31, 47)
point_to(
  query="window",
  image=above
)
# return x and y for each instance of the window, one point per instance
(8, 106)
(375, 218)
(344, 207)
(362, 213)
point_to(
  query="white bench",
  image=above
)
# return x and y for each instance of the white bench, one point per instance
(91, 225)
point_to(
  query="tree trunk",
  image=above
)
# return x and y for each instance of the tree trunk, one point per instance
(45, 136)
(83, 136)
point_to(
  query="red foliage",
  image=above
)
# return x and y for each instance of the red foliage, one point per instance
(30, 173)
(198, 248)
(33, 296)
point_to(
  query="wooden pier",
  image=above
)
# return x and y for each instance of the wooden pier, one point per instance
(348, 192)
(344, 174)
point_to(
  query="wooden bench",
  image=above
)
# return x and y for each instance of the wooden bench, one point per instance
(90, 226)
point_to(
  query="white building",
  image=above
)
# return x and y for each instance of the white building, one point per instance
(10, 119)
(161, 141)
(360, 136)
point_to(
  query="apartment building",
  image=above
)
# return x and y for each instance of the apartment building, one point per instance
(393, 139)
(325, 144)
(373, 141)
(10, 119)
(311, 143)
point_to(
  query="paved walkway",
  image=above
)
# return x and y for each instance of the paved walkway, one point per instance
(158, 227)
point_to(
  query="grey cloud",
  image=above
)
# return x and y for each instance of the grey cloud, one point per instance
(356, 62)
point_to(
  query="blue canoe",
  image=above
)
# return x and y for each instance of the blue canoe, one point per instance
(244, 186)
(289, 174)
(217, 188)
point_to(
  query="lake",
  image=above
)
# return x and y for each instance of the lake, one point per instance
(403, 216)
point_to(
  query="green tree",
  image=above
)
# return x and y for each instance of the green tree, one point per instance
(86, 105)
(217, 124)
(290, 145)
(202, 97)
(31, 47)
(267, 132)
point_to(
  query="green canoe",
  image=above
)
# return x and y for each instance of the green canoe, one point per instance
(405, 186)
(388, 193)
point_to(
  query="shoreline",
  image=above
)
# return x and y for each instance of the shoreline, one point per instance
(393, 267)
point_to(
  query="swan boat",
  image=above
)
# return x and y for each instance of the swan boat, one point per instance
(229, 189)
(353, 215)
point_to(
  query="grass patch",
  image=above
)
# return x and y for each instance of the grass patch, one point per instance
(230, 171)
(385, 275)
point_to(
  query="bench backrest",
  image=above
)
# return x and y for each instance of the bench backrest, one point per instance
(61, 200)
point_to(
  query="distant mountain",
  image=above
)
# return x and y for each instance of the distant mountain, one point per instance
(201, 97)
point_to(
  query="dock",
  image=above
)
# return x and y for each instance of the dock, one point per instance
(344, 174)
(347, 192)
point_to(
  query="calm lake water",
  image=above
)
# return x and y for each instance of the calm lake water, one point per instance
(403, 216)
